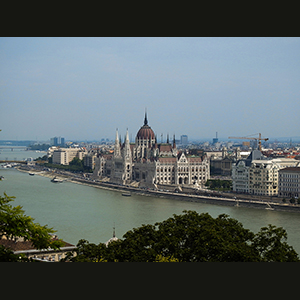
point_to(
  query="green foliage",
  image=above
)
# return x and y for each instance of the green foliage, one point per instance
(76, 162)
(160, 258)
(76, 165)
(14, 223)
(292, 200)
(88, 252)
(218, 184)
(192, 237)
(6, 255)
(43, 158)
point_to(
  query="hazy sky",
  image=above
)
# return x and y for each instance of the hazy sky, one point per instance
(85, 88)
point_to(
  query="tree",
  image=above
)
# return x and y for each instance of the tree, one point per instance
(292, 200)
(76, 162)
(199, 237)
(87, 252)
(14, 224)
(8, 256)
(271, 244)
(193, 237)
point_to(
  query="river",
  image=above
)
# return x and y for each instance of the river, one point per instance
(77, 211)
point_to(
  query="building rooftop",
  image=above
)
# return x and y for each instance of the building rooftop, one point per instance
(23, 245)
(291, 169)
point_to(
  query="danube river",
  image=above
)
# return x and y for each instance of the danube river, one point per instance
(77, 211)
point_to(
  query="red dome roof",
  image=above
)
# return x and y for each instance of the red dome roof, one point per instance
(145, 133)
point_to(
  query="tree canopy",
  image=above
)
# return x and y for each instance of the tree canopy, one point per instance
(191, 237)
(15, 224)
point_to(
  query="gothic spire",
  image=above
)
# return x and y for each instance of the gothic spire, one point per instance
(127, 136)
(145, 120)
(117, 137)
(174, 142)
(117, 150)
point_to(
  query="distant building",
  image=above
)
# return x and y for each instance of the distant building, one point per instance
(240, 172)
(289, 182)
(64, 156)
(57, 141)
(184, 140)
(215, 140)
(221, 161)
(89, 160)
(258, 175)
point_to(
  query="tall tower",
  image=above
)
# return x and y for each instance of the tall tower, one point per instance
(117, 150)
(127, 150)
(127, 160)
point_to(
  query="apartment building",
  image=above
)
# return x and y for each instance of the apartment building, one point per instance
(240, 172)
(258, 175)
(289, 182)
(63, 156)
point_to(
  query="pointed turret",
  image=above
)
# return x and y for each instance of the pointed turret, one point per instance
(174, 142)
(117, 150)
(127, 150)
(146, 120)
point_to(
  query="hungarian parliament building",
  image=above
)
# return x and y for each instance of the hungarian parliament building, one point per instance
(147, 163)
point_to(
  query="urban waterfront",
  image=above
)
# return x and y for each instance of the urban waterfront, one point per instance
(82, 212)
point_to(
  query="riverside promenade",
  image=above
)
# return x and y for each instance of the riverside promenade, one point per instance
(188, 194)
(235, 199)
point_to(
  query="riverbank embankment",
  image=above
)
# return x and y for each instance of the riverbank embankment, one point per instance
(196, 198)
(238, 200)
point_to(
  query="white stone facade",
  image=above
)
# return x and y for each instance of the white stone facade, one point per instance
(64, 156)
(257, 175)
(289, 182)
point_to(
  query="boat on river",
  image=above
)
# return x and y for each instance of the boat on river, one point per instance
(56, 180)
(126, 194)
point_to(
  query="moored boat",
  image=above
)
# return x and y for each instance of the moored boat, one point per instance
(126, 194)
(55, 180)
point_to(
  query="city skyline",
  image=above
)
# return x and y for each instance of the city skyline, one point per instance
(85, 88)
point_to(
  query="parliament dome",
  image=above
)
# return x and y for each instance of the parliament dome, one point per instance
(145, 131)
